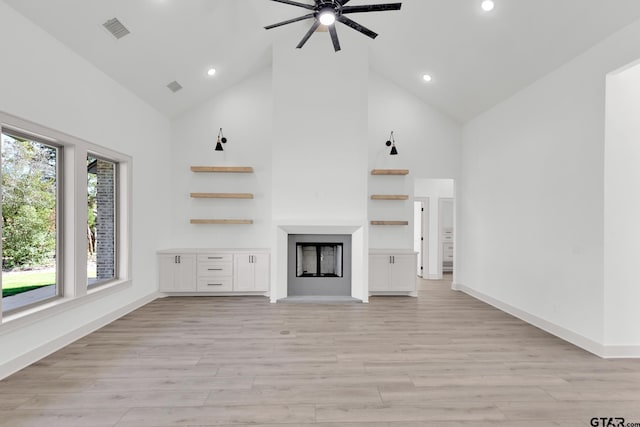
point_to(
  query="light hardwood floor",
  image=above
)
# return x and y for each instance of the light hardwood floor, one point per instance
(443, 359)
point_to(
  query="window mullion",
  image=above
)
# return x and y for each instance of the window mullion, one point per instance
(76, 231)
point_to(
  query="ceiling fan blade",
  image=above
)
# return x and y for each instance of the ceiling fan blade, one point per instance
(306, 37)
(343, 2)
(372, 8)
(295, 3)
(364, 30)
(290, 21)
(334, 37)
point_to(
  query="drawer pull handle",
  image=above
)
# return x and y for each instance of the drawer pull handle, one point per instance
(214, 269)
(214, 284)
(214, 257)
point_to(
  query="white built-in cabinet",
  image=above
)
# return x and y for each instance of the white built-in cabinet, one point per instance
(177, 272)
(208, 271)
(251, 272)
(392, 271)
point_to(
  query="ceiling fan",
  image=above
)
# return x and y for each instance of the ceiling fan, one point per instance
(327, 12)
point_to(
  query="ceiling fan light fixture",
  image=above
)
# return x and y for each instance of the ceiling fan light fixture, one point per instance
(487, 5)
(327, 17)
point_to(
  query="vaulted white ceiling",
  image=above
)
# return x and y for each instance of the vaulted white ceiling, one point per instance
(476, 59)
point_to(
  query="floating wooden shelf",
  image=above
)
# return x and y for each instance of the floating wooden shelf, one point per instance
(222, 221)
(389, 222)
(390, 172)
(222, 169)
(222, 195)
(389, 197)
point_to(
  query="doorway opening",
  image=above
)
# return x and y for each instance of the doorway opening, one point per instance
(436, 225)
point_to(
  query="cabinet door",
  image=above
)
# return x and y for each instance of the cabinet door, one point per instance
(262, 272)
(185, 278)
(403, 273)
(167, 272)
(177, 273)
(379, 266)
(243, 280)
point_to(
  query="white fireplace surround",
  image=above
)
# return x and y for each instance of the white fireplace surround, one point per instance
(359, 255)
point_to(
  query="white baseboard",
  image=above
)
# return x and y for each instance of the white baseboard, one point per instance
(50, 347)
(559, 331)
(621, 352)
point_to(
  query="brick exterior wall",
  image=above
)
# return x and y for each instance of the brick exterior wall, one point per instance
(105, 229)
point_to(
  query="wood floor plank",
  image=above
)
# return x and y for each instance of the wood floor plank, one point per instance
(332, 380)
(404, 394)
(426, 412)
(148, 399)
(176, 384)
(61, 418)
(202, 415)
(12, 401)
(442, 359)
(574, 410)
(307, 394)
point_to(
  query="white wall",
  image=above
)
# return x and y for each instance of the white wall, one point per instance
(46, 83)
(434, 190)
(530, 207)
(319, 151)
(244, 112)
(622, 209)
(428, 143)
(320, 125)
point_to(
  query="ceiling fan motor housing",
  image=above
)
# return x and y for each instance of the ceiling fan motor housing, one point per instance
(328, 6)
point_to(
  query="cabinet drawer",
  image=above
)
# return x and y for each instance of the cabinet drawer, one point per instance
(215, 258)
(214, 269)
(214, 284)
(448, 247)
(448, 257)
(447, 237)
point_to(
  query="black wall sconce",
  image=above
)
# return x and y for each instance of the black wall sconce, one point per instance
(391, 142)
(221, 140)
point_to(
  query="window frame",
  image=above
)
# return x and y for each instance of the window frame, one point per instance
(59, 212)
(71, 245)
(116, 221)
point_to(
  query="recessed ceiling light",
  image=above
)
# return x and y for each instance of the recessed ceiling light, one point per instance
(487, 5)
(211, 72)
(427, 78)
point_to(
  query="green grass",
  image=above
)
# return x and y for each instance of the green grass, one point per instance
(18, 282)
(14, 283)
(16, 291)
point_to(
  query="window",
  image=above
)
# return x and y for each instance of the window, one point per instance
(66, 213)
(101, 220)
(30, 221)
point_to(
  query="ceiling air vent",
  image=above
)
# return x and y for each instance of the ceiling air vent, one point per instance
(116, 28)
(174, 86)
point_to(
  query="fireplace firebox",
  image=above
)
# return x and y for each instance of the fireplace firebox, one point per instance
(319, 260)
(319, 265)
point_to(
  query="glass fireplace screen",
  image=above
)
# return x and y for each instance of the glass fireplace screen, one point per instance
(319, 260)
